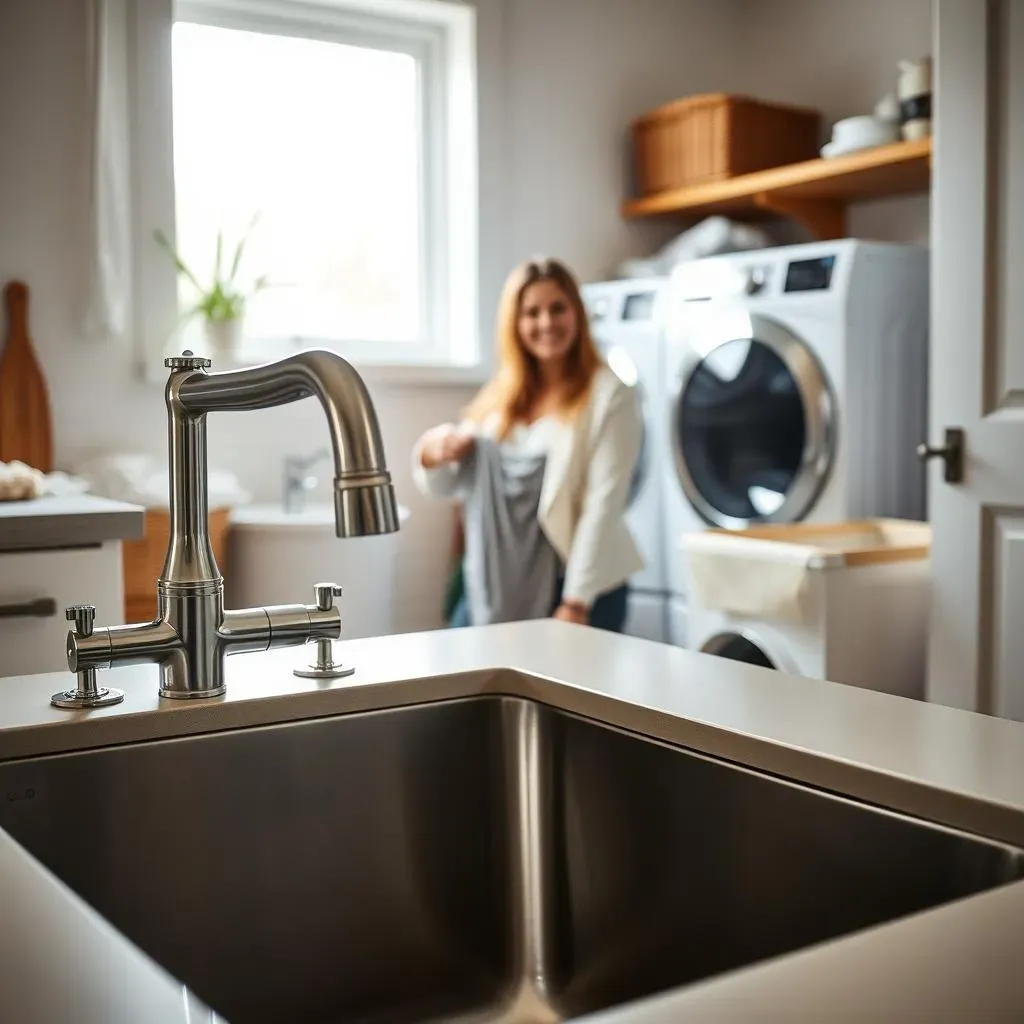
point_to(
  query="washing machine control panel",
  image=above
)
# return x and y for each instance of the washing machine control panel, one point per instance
(755, 280)
(702, 282)
(639, 305)
(622, 302)
(761, 275)
(813, 275)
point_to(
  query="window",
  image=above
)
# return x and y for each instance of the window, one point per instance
(338, 139)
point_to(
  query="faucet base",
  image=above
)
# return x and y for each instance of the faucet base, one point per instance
(75, 699)
(325, 667)
(177, 694)
(336, 672)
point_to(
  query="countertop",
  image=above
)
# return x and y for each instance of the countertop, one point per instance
(74, 521)
(956, 962)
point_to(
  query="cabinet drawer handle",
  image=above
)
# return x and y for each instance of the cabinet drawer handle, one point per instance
(40, 608)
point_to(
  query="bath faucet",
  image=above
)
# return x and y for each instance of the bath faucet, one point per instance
(193, 631)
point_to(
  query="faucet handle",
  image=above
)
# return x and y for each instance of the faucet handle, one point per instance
(186, 361)
(83, 616)
(87, 694)
(325, 593)
(325, 667)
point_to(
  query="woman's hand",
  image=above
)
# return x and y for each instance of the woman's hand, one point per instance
(571, 611)
(444, 444)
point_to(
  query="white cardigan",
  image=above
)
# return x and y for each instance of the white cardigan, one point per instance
(586, 487)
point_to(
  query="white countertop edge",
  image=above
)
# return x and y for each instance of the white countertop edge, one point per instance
(73, 521)
(954, 767)
(63, 963)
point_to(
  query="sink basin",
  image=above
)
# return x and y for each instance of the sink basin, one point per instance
(488, 859)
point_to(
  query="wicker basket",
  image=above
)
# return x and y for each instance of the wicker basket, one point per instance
(716, 136)
(144, 560)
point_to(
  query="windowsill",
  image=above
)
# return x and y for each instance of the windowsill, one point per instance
(387, 374)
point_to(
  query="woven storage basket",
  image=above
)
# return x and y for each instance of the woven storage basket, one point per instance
(715, 136)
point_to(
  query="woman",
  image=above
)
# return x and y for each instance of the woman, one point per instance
(542, 463)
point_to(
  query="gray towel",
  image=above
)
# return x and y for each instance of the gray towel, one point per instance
(511, 569)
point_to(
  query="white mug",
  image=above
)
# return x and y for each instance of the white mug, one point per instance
(914, 89)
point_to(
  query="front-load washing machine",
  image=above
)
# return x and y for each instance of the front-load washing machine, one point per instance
(798, 384)
(627, 324)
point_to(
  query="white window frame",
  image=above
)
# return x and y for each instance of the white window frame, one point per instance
(441, 35)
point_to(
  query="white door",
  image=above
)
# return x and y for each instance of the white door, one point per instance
(976, 657)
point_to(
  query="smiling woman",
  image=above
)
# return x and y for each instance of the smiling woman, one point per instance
(542, 464)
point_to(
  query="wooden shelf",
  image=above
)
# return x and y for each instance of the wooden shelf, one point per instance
(815, 192)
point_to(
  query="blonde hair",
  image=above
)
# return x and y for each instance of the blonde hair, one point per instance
(516, 384)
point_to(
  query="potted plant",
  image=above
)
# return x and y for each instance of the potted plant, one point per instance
(222, 302)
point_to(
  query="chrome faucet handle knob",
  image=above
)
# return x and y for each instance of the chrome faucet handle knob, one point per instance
(325, 667)
(83, 616)
(186, 361)
(325, 593)
(87, 694)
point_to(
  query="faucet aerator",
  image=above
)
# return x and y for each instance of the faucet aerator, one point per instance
(364, 509)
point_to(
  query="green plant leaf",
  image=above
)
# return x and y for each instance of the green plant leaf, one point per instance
(164, 242)
(239, 249)
(217, 257)
(221, 301)
(241, 246)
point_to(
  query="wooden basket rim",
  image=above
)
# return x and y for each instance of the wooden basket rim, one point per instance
(708, 99)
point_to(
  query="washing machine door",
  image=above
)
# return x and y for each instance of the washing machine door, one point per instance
(753, 424)
(746, 646)
(622, 364)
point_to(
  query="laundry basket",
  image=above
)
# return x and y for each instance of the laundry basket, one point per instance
(847, 602)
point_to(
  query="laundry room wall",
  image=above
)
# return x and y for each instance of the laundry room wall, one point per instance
(565, 78)
(840, 57)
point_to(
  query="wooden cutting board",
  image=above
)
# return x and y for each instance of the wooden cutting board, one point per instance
(26, 433)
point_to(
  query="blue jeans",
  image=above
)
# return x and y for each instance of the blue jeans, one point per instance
(607, 612)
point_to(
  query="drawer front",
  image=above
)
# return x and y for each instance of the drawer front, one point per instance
(31, 643)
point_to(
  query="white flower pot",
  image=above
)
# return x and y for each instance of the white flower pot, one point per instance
(223, 336)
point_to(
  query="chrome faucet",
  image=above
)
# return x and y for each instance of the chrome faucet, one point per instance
(193, 631)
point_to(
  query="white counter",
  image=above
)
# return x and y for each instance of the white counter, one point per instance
(67, 522)
(956, 962)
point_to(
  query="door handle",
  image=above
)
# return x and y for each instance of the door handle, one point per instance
(951, 453)
(40, 608)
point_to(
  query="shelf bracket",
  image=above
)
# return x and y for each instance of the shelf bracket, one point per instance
(823, 218)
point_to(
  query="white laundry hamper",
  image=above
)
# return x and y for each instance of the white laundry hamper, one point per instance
(847, 602)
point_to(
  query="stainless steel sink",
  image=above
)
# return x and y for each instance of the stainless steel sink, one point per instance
(488, 859)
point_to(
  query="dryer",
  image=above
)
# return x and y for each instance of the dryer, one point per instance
(626, 320)
(798, 384)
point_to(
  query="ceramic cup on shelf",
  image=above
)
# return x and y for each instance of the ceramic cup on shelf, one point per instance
(860, 132)
(914, 89)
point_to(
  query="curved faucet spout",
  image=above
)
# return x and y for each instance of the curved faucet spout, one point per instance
(351, 419)
(363, 496)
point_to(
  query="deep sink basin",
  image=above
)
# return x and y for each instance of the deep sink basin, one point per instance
(488, 859)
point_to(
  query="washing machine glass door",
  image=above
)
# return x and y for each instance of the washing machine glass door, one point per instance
(753, 424)
(739, 647)
(624, 367)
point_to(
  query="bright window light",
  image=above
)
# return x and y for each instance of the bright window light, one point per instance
(321, 141)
